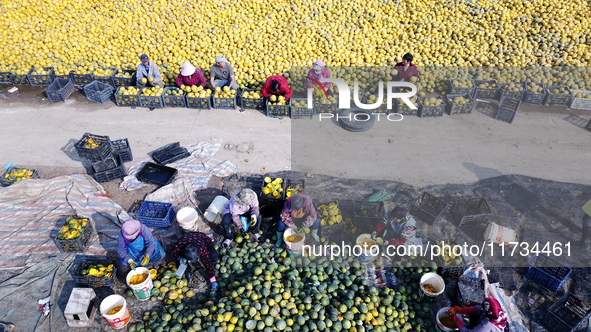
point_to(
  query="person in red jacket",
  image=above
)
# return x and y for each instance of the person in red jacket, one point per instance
(276, 85)
(190, 75)
(489, 317)
(406, 69)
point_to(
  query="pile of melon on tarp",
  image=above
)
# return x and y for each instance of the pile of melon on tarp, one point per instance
(263, 289)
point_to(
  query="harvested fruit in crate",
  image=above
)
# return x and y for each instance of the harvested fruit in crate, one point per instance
(224, 93)
(40, 71)
(90, 144)
(103, 72)
(350, 226)
(18, 174)
(97, 270)
(252, 94)
(272, 188)
(123, 74)
(330, 100)
(371, 99)
(460, 100)
(153, 91)
(274, 100)
(175, 92)
(534, 88)
(297, 189)
(130, 91)
(196, 91)
(330, 214)
(61, 70)
(462, 83)
(299, 103)
(83, 70)
(487, 85)
(513, 87)
(582, 95)
(432, 102)
(72, 228)
(559, 91)
(448, 257)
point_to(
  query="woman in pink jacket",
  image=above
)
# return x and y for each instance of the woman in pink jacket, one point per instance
(316, 73)
(245, 204)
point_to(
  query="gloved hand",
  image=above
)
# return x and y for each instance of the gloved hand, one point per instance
(374, 235)
(306, 230)
(145, 260)
(254, 220)
(465, 310)
(459, 323)
(214, 285)
(299, 230)
(183, 260)
(379, 240)
(132, 263)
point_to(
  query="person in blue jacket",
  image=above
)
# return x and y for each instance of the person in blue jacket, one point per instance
(137, 246)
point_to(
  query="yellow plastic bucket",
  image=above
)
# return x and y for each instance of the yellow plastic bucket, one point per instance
(366, 257)
(295, 247)
(142, 291)
(119, 319)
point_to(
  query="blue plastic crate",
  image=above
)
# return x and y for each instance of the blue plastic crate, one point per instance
(156, 214)
(547, 272)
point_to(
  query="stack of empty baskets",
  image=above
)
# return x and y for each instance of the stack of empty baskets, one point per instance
(107, 156)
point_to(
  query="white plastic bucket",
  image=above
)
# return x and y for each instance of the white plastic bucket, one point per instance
(294, 248)
(441, 327)
(120, 318)
(187, 218)
(142, 291)
(435, 281)
(214, 212)
(499, 235)
(366, 257)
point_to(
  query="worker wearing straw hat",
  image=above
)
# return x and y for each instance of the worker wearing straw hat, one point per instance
(190, 75)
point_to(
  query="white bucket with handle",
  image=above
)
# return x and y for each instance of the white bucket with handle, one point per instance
(215, 211)
(121, 317)
(143, 290)
(187, 218)
(440, 314)
(294, 242)
(499, 235)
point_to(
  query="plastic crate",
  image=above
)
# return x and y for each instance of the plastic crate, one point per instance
(78, 244)
(547, 272)
(7, 182)
(82, 79)
(294, 184)
(486, 93)
(456, 90)
(566, 314)
(121, 147)
(431, 111)
(59, 90)
(99, 154)
(270, 197)
(151, 101)
(198, 103)
(83, 262)
(471, 290)
(402, 108)
(277, 110)
(428, 208)
(159, 175)
(324, 108)
(109, 170)
(251, 103)
(383, 108)
(106, 79)
(470, 211)
(554, 99)
(533, 98)
(67, 76)
(169, 153)
(98, 92)
(126, 100)
(298, 112)
(581, 103)
(368, 212)
(511, 94)
(41, 80)
(123, 81)
(227, 103)
(510, 104)
(156, 214)
(453, 108)
(173, 101)
(5, 77)
(20, 79)
(330, 230)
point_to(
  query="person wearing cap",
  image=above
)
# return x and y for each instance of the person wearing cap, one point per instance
(222, 74)
(398, 227)
(276, 85)
(406, 69)
(149, 71)
(190, 75)
(298, 213)
(488, 317)
(137, 246)
(195, 247)
(316, 73)
(240, 210)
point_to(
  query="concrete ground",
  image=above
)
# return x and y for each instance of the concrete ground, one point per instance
(544, 142)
